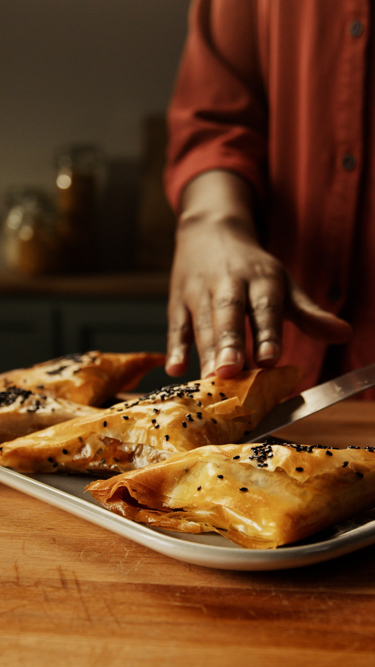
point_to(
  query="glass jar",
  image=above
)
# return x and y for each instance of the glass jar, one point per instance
(79, 179)
(30, 241)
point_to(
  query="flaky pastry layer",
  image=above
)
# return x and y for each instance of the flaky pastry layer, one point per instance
(90, 378)
(258, 496)
(136, 433)
(23, 411)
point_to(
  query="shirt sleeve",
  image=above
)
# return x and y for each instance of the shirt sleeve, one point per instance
(217, 118)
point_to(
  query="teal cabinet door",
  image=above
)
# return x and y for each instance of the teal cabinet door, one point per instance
(28, 331)
(37, 329)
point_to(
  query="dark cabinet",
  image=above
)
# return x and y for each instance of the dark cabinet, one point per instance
(34, 329)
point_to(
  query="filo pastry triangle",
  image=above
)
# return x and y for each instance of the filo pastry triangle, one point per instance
(90, 378)
(173, 419)
(23, 411)
(258, 496)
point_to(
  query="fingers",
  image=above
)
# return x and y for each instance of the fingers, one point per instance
(217, 318)
(180, 336)
(313, 320)
(203, 332)
(266, 297)
(229, 306)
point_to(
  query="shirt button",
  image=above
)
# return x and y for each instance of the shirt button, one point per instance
(348, 162)
(334, 293)
(356, 28)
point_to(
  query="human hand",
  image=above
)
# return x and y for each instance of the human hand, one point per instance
(220, 277)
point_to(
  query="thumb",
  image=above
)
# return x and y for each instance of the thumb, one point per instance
(312, 319)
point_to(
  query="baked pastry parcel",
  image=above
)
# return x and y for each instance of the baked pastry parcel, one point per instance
(23, 411)
(90, 378)
(173, 419)
(258, 496)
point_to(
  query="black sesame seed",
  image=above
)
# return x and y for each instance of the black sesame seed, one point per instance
(184, 424)
(220, 476)
(156, 425)
(213, 420)
(104, 424)
(345, 464)
(299, 469)
(199, 404)
(50, 459)
(359, 474)
(236, 457)
(65, 451)
(209, 394)
(124, 417)
(199, 488)
(189, 418)
(166, 437)
(328, 452)
(199, 415)
(243, 488)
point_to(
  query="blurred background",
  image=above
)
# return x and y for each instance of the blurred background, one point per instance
(86, 233)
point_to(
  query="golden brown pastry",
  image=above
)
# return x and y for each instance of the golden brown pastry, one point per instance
(258, 496)
(23, 411)
(90, 378)
(136, 433)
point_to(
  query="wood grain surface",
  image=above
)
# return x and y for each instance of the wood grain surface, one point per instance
(75, 594)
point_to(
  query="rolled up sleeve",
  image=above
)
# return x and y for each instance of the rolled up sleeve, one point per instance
(217, 118)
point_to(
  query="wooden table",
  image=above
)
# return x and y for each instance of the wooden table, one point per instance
(75, 594)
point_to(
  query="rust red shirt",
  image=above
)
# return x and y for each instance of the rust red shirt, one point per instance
(283, 93)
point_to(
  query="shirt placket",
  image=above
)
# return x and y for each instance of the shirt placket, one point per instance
(349, 149)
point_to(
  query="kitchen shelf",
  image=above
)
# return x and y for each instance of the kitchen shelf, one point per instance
(132, 285)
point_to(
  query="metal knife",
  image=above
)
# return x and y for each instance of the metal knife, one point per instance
(313, 400)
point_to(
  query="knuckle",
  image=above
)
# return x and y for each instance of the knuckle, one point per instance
(231, 339)
(228, 301)
(179, 330)
(266, 270)
(203, 321)
(267, 335)
(265, 304)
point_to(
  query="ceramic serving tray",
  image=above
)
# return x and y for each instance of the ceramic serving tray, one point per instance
(68, 493)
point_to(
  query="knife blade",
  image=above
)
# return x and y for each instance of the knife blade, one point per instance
(313, 400)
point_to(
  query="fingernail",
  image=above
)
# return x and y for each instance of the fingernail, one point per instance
(208, 369)
(176, 358)
(228, 356)
(267, 350)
